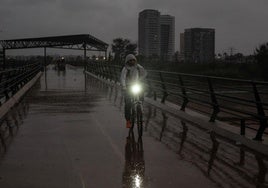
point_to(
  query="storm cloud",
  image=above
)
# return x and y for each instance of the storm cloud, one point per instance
(239, 24)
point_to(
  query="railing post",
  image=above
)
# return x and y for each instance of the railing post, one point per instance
(116, 76)
(165, 93)
(110, 73)
(43, 64)
(155, 97)
(213, 152)
(4, 58)
(1, 75)
(85, 55)
(94, 68)
(165, 118)
(243, 127)
(215, 104)
(119, 69)
(150, 89)
(99, 72)
(91, 67)
(183, 90)
(7, 77)
(3, 141)
(261, 114)
(183, 135)
(107, 71)
(242, 157)
(87, 65)
(102, 71)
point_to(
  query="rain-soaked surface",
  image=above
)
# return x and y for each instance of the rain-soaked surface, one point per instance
(68, 132)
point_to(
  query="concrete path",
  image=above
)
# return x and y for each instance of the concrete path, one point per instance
(74, 137)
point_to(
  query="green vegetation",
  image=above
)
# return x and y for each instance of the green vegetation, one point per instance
(235, 66)
(261, 55)
(250, 71)
(122, 47)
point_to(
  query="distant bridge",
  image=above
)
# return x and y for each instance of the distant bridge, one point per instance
(83, 42)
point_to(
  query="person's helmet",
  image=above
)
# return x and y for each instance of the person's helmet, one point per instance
(130, 60)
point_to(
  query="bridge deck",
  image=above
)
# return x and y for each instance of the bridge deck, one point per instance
(73, 138)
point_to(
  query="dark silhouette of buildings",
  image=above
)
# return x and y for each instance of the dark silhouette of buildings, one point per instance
(156, 35)
(198, 45)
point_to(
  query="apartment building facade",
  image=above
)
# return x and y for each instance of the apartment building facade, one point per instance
(156, 35)
(199, 45)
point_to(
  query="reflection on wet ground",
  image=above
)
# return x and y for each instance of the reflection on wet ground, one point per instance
(10, 124)
(64, 93)
(134, 169)
(58, 92)
(224, 163)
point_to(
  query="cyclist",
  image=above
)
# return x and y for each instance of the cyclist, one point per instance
(131, 72)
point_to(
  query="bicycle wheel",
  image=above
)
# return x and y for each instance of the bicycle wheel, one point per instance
(139, 120)
(133, 115)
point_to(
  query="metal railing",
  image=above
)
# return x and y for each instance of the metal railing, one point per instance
(236, 101)
(11, 80)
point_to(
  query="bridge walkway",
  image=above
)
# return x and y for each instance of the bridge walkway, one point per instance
(71, 136)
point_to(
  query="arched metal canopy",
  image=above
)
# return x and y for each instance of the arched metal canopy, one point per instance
(80, 42)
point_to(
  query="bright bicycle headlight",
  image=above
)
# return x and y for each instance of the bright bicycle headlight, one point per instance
(137, 181)
(136, 89)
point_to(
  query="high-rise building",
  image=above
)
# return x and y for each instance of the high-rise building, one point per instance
(167, 37)
(2, 56)
(199, 45)
(156, 35)
(182, 45)
(149, 33)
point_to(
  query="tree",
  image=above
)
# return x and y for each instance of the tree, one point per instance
(121, 47)
(130, 49)
(110, 57)
(261, 55)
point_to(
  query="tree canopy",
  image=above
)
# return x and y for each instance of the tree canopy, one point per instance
(122, 47)
(261, 55)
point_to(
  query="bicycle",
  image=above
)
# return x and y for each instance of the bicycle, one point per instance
(137, 107)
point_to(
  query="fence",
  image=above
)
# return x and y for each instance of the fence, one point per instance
(2, 56)
(11, 80)
(236, 101)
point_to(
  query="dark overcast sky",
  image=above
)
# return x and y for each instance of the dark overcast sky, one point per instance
(240, 24)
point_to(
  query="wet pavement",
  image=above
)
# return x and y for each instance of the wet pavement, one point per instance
(68, 132)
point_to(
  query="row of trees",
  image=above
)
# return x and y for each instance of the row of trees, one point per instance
(121, 47)
(258, 63)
